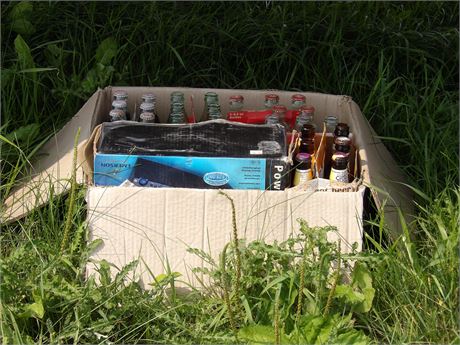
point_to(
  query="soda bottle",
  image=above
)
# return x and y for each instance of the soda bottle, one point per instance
(236, 103)
(117, 115)
(297, 101)
(147, 117)
(305, 117)
(271, 100)
(330, 122)
(177, 114)
(122, 95)
(121, 105)
(278, 115)
(214, 112)
(211, 106)
(339, 170)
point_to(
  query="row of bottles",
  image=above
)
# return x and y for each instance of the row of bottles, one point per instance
(340, 156)
(273, 111)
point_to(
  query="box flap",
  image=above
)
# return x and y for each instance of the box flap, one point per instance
(159, 225)
(384, 177)
(51, 173)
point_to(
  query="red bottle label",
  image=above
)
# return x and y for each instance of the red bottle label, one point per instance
(237, 116)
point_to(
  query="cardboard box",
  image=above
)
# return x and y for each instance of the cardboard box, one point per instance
(159, 225)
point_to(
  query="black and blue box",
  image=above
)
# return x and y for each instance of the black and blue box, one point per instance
(207, 155)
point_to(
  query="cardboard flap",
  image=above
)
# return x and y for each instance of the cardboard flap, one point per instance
(384, 177)
(52, 172)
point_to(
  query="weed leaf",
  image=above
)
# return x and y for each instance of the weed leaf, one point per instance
(106, 51)
(23, 52)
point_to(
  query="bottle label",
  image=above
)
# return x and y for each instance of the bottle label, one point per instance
(302, 176)
(339, 175)
(238, 116)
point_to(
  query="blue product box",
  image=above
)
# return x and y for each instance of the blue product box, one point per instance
(191, 172)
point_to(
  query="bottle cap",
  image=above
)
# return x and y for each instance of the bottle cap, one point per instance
(298, 98)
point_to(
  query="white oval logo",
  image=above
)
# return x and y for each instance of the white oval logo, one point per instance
(216, 178)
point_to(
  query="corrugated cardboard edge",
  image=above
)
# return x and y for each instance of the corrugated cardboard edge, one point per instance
(385, 180)
(50, 175)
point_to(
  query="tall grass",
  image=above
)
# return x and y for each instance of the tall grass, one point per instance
(399, 61)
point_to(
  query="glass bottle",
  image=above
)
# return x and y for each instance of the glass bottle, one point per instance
(271, 100)
(236, 103)
(307, 143)
(330, 122)
(303, 171)
(121, 105)
(339, 170)
(341, 130)
(147, 117)
(297, 101)
(214, 112)
(211, 106)
(117, 115)
(120, 95)
(342, 144)
(147, 108)
(278, 115)
(177, 114)
(305, 117)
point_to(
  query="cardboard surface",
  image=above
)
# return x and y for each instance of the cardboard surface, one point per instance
(160, 224)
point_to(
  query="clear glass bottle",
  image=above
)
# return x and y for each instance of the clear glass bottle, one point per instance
(278, 115)
(117, 115)
(305, 117)
(211, 107)
(147, 117)
(120, 95)
(236, 103)
(177, 114)
(330, 122)
(297, 101)
(214, 112)
(271, 100)
(177, 97)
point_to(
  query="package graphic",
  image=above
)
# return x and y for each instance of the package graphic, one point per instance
(191, 172)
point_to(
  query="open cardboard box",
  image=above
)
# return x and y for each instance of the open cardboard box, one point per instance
(157, 226)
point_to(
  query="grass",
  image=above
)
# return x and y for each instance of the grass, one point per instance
(399, 61)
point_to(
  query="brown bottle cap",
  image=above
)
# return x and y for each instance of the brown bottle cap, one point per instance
(342, 141)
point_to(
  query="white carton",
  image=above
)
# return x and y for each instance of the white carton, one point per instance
(158, 225)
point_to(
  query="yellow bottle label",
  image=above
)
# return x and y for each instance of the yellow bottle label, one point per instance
(339, 175)
(302, 176)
